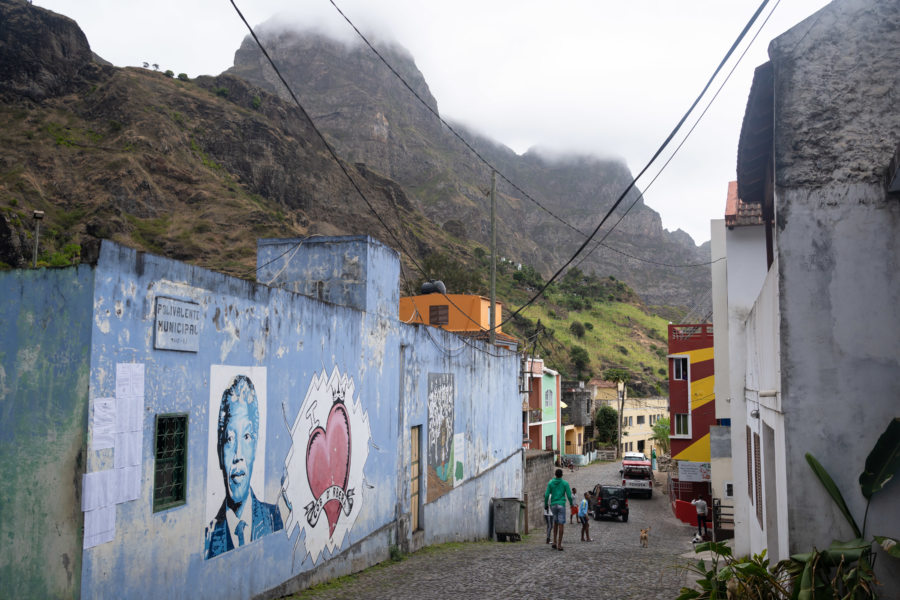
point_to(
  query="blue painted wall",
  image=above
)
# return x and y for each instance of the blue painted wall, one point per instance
(297, 340)
(45, 323)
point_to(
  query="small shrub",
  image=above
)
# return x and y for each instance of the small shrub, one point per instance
(577, 329)
(170, 73)
(396, 553)
(256, 102)
(588, 325)
(183, 76)
(221, 92)
(622, 349)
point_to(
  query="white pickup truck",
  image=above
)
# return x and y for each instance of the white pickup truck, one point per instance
(637, 477)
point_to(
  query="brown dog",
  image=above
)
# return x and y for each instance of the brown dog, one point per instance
(645, 537)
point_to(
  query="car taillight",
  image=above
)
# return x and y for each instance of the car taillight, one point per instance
(623, 482)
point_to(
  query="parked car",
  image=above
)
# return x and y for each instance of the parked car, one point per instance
(634, 456)
(637, 477)
(608, 501)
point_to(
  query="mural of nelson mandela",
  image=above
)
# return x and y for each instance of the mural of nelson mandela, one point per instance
(242, 518)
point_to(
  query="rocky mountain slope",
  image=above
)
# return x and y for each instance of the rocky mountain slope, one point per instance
(371, 117)
(198, 169)
(195, 170)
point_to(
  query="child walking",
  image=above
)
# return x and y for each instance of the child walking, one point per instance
(573, 512)
(548, 517)
(583, 517)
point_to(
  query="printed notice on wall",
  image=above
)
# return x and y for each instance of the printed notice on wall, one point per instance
(118, 423)
(693, 471)
(177, 325)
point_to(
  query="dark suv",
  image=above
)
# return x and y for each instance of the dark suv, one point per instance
(609, 501)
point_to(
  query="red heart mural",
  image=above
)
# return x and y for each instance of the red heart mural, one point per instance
(328, 460)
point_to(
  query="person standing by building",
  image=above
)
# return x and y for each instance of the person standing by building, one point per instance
(555, 496)
(700, 505)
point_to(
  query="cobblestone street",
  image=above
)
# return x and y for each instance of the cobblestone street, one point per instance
(613, 566)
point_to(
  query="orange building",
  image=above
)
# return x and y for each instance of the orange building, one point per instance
(464, 314)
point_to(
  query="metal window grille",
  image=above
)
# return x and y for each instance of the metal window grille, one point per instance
(757, 469)
(170, 468)
(438, 314)
(749, 465)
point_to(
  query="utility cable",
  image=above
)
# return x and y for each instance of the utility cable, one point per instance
(650, 162)
(675, 152)
(321, 137)
(490, 165)
(448, 125)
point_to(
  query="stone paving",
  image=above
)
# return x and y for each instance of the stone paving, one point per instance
(613, 566)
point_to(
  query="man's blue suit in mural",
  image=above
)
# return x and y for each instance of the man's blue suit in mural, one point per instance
(242, 518)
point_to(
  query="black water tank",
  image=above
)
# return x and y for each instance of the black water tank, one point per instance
(433, 286)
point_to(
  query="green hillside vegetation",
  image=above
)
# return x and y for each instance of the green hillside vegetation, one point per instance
(601, 315)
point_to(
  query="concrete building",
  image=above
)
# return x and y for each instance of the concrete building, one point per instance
(692, 415)
(576, 416)
(639, 416)
(464, 314)
(542, 422)
(813, 283)
(170, 432)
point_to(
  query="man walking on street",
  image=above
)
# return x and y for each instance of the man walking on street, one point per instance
(700, 505)
(555, 498)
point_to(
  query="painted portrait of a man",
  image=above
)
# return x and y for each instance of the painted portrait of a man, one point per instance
(242, 517)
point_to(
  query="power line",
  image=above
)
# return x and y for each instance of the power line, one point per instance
(448, 125)
(504, 177)
(650, 162)
(677, 148)
(321, 137)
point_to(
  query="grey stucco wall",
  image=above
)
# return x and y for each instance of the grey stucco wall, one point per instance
(836, 86)
(837, 126)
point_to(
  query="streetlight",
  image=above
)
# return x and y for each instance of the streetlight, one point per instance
(38, 215)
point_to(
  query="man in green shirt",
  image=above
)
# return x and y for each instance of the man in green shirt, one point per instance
(555, 498)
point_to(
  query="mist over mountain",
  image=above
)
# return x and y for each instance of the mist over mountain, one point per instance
(199, 169)
(554, 201)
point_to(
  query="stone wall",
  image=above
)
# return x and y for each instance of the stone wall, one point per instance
(539, 469)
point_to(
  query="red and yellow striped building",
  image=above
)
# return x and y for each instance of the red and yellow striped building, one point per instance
(692, 405)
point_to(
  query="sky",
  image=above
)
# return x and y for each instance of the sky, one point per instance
(609, 79)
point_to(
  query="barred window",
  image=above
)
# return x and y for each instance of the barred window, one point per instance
(438, 314)
(749, 463)
(170, 468)
(757, 476)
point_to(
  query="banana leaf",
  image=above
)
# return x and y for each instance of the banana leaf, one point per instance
(833, 491)
(806, 582)
(883, 461)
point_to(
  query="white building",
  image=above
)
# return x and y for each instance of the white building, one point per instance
(813, 283)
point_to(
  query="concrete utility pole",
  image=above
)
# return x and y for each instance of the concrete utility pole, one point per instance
(620, 388)
(38, 215)
(492, 336)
